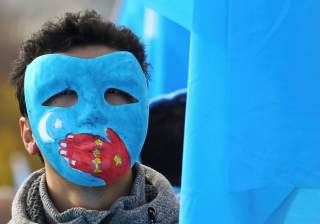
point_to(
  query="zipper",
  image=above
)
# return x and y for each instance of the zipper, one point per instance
(152, 215)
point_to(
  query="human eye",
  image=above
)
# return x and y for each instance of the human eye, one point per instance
(118, 97)
(66, 98)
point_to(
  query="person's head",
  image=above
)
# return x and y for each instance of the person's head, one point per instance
(71, 31)
(163, 147)
(59, 76)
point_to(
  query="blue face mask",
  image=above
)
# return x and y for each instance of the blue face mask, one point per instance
(93, 142)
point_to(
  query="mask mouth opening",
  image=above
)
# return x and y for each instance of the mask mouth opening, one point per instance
(118, 97)
(65, 98)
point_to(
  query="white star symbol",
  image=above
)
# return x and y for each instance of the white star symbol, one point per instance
(58, 123)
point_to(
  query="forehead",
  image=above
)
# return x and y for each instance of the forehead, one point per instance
(90, 51)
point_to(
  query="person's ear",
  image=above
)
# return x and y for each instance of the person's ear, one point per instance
(27, 136)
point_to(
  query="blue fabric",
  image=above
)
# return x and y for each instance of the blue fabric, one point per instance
(178, 11)
(251, 142)
(167, 43)
(50, 74)
(170, 57)
(128, 11)
(301, 206)
(252, 122)
(272, 107)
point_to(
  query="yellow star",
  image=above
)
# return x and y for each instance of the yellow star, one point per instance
(96, 152)
(96, 161)
(97, 170)
(117, 159)
(98, 142)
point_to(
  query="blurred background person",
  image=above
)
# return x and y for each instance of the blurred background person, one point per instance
(163, 147)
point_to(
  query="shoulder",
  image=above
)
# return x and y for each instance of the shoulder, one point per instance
(160, 196)
(26, 197)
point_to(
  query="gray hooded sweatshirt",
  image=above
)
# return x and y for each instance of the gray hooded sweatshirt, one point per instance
(151, 200)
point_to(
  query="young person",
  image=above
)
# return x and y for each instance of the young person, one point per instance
(81, 84)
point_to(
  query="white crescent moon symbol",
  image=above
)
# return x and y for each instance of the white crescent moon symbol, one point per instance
(42, 128)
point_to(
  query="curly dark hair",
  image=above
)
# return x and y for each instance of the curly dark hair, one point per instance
(73, 30)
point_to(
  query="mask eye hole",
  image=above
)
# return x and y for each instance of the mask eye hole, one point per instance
(66, 98)
(118, 97)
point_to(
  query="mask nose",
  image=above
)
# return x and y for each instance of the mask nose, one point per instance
(92, 115)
